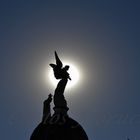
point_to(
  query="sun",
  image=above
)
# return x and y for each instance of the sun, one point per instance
(74, 74)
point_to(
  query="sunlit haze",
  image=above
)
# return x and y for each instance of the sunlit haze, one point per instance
(99, 40)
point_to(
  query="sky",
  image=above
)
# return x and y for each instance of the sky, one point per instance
(101, 37)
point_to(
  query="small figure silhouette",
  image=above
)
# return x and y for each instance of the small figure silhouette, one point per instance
(46, 109)
(60, 72)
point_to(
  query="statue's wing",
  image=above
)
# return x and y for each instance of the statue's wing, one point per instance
(58, 61)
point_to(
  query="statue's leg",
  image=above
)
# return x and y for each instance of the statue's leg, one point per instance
(59, 99)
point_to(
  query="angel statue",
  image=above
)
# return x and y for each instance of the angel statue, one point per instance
(61, 73)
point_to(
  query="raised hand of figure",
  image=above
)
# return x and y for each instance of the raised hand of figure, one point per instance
(58, 62)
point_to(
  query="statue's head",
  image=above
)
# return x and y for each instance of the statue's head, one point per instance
(66, 67)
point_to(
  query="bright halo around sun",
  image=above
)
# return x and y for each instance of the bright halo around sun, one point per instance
(74, 74)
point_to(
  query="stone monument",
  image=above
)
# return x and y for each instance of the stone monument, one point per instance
(59, 125)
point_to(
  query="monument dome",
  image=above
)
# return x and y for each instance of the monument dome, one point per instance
(70, 130)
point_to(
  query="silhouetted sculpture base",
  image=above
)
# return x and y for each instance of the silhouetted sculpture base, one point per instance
(59, 126)
(70, 130)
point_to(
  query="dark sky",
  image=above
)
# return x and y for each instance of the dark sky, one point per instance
(102, 37)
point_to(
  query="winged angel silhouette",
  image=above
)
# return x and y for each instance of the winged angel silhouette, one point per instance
(60, 72)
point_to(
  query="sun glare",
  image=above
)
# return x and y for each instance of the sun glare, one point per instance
(74, 74)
